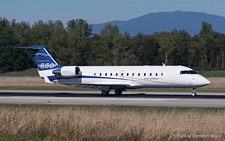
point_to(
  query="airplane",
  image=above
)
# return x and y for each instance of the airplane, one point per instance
(118, 78)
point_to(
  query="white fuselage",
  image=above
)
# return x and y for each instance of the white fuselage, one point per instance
(131, 77)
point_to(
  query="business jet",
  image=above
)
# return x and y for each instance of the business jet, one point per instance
(118, 78)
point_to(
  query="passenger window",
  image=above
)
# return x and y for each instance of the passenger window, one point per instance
(105, 74)
(127, 74)
(150, 74)
(138, 74)
(100, 74)
(121, 74)
(132, 74)
(156, 74)
(94, 74)
(110, 74)
(161, 74)
(144, 74)
(116, 74)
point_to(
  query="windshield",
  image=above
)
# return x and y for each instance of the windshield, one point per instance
(188, 72)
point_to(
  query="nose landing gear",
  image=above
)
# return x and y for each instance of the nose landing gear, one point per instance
(193, 92)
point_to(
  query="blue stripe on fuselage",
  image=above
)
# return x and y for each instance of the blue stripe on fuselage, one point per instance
(85, 76)
(53, 77)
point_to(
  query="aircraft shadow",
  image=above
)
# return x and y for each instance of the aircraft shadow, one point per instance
(138, 95)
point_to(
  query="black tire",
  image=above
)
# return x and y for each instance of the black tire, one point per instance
(118, 91)
(104, 92)
(194, 94)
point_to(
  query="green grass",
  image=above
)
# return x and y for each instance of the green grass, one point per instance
(29, 72)
(111, 107)
(212, 73)
(63, 88)
(16, 138)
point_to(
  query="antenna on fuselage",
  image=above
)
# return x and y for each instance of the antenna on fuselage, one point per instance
(163, 64)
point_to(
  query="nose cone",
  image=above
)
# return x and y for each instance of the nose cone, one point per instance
(206, 82)
(201, 81)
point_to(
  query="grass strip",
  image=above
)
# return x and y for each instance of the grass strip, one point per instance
(29, 72)
(86, 122)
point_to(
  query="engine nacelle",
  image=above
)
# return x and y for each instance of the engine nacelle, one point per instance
(67, 71)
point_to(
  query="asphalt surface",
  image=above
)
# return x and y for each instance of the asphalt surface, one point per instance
(174, 99)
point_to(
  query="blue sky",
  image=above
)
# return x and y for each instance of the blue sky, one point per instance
(99, 11)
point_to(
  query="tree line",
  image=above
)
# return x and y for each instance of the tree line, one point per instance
(75, 44)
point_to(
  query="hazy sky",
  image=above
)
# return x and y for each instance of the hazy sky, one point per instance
(98, 11)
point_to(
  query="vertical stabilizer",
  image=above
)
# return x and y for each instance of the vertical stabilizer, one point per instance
(44, 62)
(42, 58)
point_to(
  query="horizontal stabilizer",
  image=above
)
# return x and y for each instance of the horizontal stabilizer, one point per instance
(30, 47)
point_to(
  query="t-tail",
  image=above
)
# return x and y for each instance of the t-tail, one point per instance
(44, 61)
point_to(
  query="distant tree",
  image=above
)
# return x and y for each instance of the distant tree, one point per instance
(76, 45)
(127, 43)
(174, 47)
(77, 41)
(109, 43)
(58, 42)
(206, 38)
(79, 27)
(136, 42)
(41, 32)
(206, 30)
(7, 39)
(220, 51)
(148, 51)
(194, 53)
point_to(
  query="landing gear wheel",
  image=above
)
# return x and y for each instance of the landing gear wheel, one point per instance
(104, 92)
(193, 92)
(118, 91)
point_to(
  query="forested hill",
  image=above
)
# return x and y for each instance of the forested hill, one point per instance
(75, 44)
(167, 21)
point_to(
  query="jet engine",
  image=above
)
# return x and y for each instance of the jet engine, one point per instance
(67, 71)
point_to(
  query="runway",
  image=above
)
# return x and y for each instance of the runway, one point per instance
(174, 99)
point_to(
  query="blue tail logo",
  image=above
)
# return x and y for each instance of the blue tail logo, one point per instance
(42, 58)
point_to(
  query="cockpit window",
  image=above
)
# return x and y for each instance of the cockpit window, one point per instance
(193, 72)
(188, 72)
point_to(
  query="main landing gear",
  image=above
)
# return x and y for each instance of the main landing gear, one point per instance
(105, 91)
(193, 92)
(118, 91)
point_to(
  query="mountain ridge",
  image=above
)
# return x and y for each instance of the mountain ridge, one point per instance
(166, 21)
